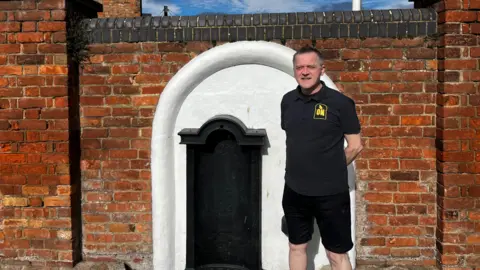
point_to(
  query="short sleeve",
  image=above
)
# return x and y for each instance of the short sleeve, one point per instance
(349, 118)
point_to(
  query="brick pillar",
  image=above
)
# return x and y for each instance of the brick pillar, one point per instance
(121, 8)
(458, 134)
(35, 179)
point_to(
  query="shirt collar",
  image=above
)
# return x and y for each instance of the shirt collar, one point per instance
(317, 96)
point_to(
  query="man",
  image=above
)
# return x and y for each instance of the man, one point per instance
(317, 120)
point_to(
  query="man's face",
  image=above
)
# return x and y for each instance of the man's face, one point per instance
(308, 70)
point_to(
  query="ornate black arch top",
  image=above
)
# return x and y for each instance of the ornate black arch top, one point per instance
(243, 135)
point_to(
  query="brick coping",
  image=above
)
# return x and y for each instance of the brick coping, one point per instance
(396, 23)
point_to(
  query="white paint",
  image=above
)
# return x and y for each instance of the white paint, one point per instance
(356, 5)
(244, 79)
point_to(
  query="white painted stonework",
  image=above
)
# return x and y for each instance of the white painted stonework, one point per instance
(246, 80)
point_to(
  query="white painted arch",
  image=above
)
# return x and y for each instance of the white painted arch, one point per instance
(180, 86)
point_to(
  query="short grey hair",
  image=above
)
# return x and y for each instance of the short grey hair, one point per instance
(309, 49)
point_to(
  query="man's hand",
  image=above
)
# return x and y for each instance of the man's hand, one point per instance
(354, 147)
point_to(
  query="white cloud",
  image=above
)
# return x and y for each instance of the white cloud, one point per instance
(397, 6)
(257, 6)
(250, 6)
(156, 8)
(387, 4)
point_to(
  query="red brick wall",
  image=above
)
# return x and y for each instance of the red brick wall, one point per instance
(34, 162)
(392, 81)
(119, 92)
(121, 8)
(413, 127)
(458, 135)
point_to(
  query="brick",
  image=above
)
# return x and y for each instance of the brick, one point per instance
(144, 101)
(407, 87)
(53, 113)
(9, 26)
(376, 110)
(91, 112)
(383, 164)
(164, 68)
(32, 15)
(10, 70)
(148, 79)
(460, 64)
(121, 228)
(56, 201)
(51, 26)
(125, 48)
(30, 37)
(420, 53)
(53, 70)
(124, 132)
(11, 136)
(32, 103)
(55, 158)
(52, 48)
(98, 197)
(460, 16)
(376, 87)
(56, 91)
(408, 65)
(97, 90)
(120, 58)
(417, 76)
(378, 197)
(12, 158)
(35, 190)
(36, 233)
(32, 169)
(176, 57)
(417, 120)
(474, 191)
(385, 99)
(125, 69)
(31, 81)
(387, 53)
(15, 201)
(10, 48)
(405, 253)
(55, 179)
(13, 180)
(127, 90)
(10, 113)
(51, 4)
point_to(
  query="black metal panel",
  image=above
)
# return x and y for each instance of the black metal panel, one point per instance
(223, 195)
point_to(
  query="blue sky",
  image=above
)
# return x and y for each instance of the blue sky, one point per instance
(195, 7)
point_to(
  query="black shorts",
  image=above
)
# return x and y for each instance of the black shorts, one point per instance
(332, 214)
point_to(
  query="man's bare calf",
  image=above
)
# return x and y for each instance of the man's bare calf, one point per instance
(339, 261)
(298, 257)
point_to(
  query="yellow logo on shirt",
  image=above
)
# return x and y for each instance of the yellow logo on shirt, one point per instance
(320, 111)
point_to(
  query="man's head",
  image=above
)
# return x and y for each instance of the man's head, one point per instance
(309, 67)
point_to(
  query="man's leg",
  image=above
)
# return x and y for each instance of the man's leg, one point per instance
(298, 257)
(339, 261)
(334, 221)
(299, 226)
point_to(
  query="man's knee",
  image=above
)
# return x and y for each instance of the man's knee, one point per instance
(301, 248)
(337, 258)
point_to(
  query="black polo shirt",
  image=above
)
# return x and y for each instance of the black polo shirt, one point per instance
(315, 126)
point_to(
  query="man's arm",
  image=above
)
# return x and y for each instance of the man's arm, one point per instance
(354, 147)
